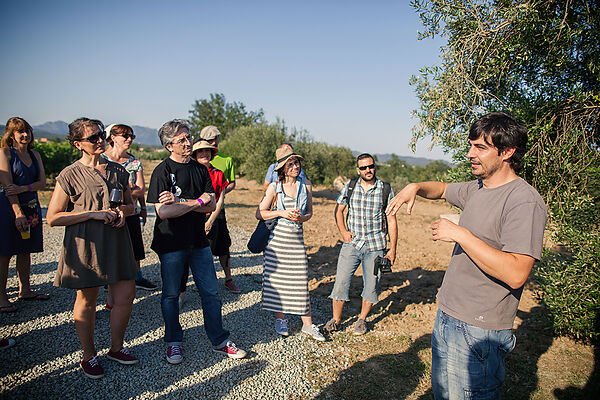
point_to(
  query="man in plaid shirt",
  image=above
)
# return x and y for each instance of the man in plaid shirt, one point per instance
(364, 239)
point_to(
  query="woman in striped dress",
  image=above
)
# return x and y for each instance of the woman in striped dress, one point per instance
(285, 274)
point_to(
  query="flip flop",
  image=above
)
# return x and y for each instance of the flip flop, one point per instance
(36, 296)
(8, 309)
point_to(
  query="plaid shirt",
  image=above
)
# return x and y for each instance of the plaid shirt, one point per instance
(365, 215)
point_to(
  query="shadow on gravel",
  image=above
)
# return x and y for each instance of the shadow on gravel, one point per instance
(371, 378)
(398, 288)
(222, 384)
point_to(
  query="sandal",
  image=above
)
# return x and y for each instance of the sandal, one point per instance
(8, 309)
(35, 296)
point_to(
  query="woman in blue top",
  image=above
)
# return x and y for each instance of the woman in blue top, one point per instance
(285, 275)
(22, 175)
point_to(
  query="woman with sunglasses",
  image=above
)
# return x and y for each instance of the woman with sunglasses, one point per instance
(21, 175)
(285, 275)
(120, 138)
(96, 248)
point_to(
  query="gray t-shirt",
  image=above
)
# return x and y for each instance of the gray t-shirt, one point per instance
(511, 218)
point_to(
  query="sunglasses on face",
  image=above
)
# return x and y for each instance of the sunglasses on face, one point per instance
(365, 167)
(95, 138)
(127, 136)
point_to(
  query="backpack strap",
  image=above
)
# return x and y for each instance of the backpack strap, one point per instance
(351, 186)
(385, 193)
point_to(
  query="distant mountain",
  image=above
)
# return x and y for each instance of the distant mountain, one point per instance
(144, 135)
(147, 136)
(56, 127)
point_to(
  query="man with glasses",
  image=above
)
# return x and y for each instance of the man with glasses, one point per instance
(364, 239)
(182, 191)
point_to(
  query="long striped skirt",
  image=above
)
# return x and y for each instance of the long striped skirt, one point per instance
(285, 275)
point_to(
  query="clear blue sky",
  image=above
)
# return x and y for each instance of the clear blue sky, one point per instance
(338, 69)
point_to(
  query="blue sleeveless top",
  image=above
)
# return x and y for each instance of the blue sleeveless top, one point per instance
(11, 242)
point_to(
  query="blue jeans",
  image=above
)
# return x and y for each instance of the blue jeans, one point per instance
(467, 361)
(348, 261)
(203, 270)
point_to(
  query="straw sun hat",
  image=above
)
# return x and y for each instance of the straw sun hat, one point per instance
(283, 154)
(203, 144)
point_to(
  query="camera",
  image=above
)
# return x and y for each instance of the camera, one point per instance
(382, 264)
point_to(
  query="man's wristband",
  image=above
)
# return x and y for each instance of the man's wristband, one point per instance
(200, 201)
(29, 188)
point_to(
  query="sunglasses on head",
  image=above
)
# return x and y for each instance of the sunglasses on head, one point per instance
(365, 167)
(95, 138)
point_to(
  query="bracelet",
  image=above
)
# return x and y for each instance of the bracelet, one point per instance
(29, 188)
(200, 201)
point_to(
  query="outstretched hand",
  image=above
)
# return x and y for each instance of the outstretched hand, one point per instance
(405, 196)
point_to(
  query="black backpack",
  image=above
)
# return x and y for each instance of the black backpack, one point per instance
(387, 188)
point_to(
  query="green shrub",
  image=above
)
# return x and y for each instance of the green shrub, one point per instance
(56, 155)
(253, 150)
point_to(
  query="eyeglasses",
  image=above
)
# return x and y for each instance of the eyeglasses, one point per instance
(95, 138)
(365, 167)
(182, 140)
(127, 135)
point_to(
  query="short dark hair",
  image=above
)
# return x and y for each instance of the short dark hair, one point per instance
(504, 131)
(363, 156)
(76, 128)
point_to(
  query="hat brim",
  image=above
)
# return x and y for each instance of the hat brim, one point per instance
(281, 162)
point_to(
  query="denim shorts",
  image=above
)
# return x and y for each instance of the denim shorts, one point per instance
(467, 361)
(348, 261)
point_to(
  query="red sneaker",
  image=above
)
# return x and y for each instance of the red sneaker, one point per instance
(92, 369)
(231, 286)
(7, 343)
(174, 354)
(122, 357)
(230, 350)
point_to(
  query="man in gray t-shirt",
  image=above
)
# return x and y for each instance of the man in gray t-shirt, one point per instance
(498, 238)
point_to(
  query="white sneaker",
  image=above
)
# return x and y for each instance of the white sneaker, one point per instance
(281, 327)
(313, 332)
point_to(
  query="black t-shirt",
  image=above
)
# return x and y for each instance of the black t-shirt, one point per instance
(186, 181)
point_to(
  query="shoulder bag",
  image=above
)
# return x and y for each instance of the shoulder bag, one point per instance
(260, 237)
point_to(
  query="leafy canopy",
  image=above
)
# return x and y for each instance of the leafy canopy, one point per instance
(540, 60)
(225, 116)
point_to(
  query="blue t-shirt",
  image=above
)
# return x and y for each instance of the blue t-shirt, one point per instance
(273, 176)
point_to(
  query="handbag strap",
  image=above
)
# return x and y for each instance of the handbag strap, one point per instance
(273, 203)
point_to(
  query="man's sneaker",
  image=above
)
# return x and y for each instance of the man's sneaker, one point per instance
(174, 354)
(145, 284)
(359, 327)
(230, 285)
(230, 350)
(281, 327)
(122, 357)
(92, 369)
(313, 332)
(7, 343)
(331, 326)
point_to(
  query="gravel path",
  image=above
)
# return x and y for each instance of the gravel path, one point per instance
(45, 361)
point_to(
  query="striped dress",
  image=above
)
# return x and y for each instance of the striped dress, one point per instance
(285, 275)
